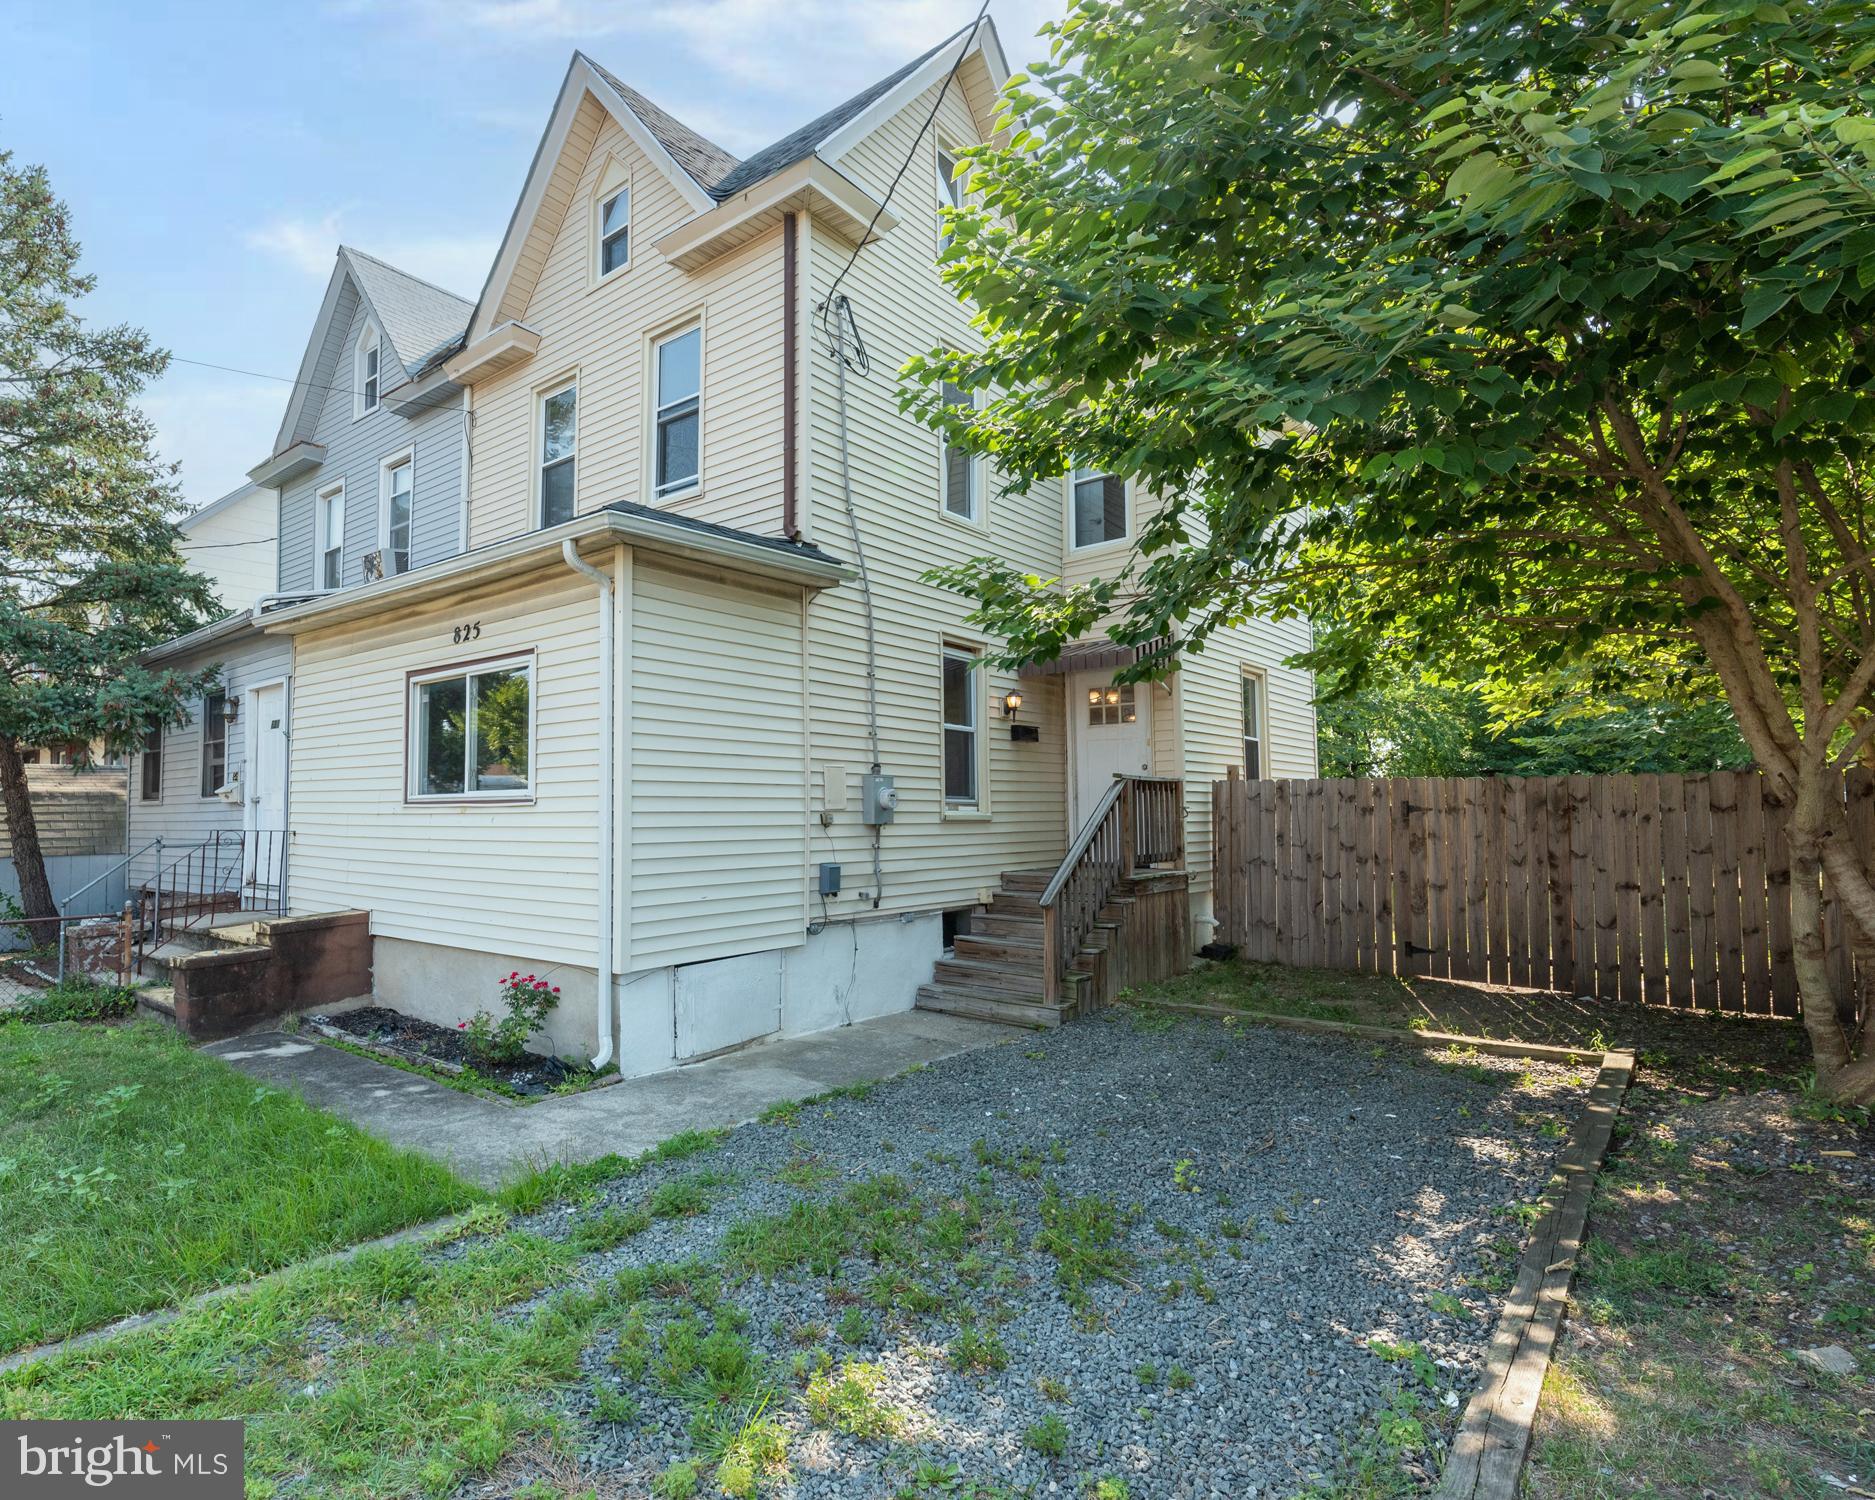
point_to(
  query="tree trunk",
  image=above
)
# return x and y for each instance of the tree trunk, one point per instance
(23, 831)
(1844, 1053)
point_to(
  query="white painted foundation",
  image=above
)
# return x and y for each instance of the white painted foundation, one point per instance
(850, 971)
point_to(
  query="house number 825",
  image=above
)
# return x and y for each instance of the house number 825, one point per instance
(470, 632)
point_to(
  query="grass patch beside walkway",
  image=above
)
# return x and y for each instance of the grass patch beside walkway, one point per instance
(135, 1171)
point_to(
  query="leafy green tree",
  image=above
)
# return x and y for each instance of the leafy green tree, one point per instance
(1518, 325)
(89, 573)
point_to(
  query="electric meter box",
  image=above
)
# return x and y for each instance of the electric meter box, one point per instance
(878, 798)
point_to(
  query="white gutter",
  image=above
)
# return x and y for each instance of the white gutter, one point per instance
(603, 973)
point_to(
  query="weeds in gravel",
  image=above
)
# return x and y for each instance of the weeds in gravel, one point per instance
(1047, 1436)
(1084, 1235)
(1109, 1487)
(849, 1402)
(1053, 1389)
(1447, 1306)
(679, 1482)
(570, 1182)
(976, 1351)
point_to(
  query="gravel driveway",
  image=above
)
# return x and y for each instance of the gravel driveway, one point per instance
(1136, 1257)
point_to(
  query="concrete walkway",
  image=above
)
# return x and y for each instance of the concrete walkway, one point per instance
(489, 1142)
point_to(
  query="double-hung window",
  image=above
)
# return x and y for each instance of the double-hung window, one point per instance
(329, 522)
(1099, 507)
(615, 216)
(960, 728)
(396, 492)
(214, 743)
(961, 497)
(368, 372)
(950, 194)
(559, 453)
(150, 766)
(1252, 727)
(472, 731)
(678, 362)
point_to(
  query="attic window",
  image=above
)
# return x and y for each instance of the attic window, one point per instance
(368, 371)
(950, 194)
(615, 232)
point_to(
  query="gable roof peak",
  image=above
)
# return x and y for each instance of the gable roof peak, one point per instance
(705, 162)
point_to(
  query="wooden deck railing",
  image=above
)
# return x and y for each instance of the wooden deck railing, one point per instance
(1138, 823)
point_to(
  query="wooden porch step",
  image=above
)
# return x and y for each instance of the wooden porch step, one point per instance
(1027, 880)
(1003, 924)
(1001, 978)
(982, 1005)
(1016, 904)
(1001, 947)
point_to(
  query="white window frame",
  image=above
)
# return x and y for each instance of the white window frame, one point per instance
(542, 394)
(977, 805)
(599, 201)
(367, 389)
(413, 734)
(950, 188)
(406, 459)
(1073, 483)
(323, 542)
(661, 409)
(202, 766)
(1257, 733)
(976, 467)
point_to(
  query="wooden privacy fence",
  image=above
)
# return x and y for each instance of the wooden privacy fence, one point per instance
(1672, 890)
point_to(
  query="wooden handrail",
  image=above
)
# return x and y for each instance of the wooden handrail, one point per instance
(1138, 821)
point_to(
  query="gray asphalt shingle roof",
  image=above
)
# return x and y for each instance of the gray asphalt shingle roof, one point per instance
(719, 173)
(418, 317)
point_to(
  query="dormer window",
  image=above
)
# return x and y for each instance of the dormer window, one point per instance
(950, 193)
(615, 232)
(368, 379)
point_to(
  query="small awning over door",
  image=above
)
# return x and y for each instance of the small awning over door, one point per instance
(1093, 656)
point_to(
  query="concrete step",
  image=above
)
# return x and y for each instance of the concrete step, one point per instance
(237, 934)
(984, 1005)
(1000, 978)
(156, 1002)
(1017, 952)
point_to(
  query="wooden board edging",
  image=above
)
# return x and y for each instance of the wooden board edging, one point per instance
(1493, 1438)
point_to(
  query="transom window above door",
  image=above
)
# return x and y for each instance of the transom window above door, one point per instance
(1097, 502)
(1112, 705)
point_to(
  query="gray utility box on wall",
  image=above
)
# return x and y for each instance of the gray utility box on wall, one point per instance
(878, 798)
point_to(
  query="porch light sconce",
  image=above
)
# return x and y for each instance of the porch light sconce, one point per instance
(231, 711)
(1012, 705)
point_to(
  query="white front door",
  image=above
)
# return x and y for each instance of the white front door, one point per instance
(1112, 735)
(264, 815)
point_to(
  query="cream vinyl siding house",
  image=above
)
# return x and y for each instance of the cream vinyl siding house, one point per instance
(721, 639)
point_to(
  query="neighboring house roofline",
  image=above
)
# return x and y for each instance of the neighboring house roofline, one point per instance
(215, 507)
(227, 628)
(624, 523)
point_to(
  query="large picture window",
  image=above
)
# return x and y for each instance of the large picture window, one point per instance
(214, 743)
(472, 731)
(960, 728)
(679, 411)
(559, 454)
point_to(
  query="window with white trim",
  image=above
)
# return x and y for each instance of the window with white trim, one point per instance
(961, 483)
(960, 728)
(368, 381)
(1252, 693)
(214, 743)
(329, 523)
(1113, 704)
(472, 731)
(396, 495)
(1098, 502)
(559, 453)
(950, 194)
(678, 439)
(615, 232)
(150, 766)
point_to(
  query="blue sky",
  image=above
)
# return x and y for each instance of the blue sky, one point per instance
(215, 155)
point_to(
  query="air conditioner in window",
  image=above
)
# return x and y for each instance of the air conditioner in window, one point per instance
(374, 566)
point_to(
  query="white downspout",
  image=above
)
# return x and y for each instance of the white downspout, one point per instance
(602, 969)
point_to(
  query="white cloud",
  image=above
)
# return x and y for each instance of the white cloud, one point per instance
(306, 245)
(457, 262)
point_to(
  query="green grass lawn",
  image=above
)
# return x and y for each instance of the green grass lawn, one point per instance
(135, 1171)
